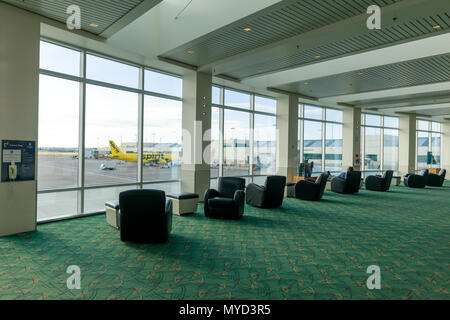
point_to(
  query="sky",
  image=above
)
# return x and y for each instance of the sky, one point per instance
(113, 114)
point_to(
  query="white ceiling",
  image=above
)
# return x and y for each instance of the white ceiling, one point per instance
(174, 25)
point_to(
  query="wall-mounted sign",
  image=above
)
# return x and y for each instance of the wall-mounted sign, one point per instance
(18, 160)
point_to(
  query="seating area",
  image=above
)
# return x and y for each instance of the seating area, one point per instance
(145, 216)
(224, 150)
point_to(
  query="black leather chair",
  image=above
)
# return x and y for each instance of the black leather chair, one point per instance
(349, 185)
(269, 195)
(145, 216)
(436, 180)
(310, 189)
(227, 202)
(380, 183)
(416, 180)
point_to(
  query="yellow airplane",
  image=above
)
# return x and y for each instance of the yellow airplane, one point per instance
(159, 158)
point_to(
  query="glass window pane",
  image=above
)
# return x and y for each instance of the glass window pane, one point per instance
(313, 144)
(435, 150)
(265, 145)
(391, 122)
(111, 136)
(237, 99)
(372, 160)
(58, 133)
(59, 59)
(162, 139)
(373, 120)
(167, 187)
(215, 143)
(265, 104)
(56, 205)
(260, 180)
(334, 115)
(391, 144)
(216, 95)
(109, 71)
(95, 199)
(423, 125)
(163, 83)
(436, 126)
(236, 143)
(333, 145)
(299, 145)
(423, 147)
(313, 112)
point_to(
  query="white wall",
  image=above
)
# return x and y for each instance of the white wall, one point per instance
(19, 92)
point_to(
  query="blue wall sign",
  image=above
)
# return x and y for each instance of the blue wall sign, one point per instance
(22, 155)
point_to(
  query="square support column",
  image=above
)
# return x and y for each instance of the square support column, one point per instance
(407, 144)
(287, 136)
(445, 143)
(19, 100)
(195, 169)
(351, 139)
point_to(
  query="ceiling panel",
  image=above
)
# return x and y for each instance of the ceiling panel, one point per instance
(278, 22)
(104, 13)
(410, 73)
(435, 112)
(388, 100)
(333, 49)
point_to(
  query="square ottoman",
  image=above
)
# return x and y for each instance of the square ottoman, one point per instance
(396, 181)
(290, 190)
(184, 202)
(113, 213)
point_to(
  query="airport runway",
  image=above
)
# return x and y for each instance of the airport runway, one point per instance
(62, 172)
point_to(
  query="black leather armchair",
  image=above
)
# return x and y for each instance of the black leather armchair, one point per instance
(145, 216)
(349, 185)
(228, 201)
(380, 183)
(311, 190)
(436, 180)
(269, 195)
(416, 180)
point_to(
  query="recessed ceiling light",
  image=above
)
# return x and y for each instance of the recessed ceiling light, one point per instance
(191, 51)
(436, 27)
(247, 29)
(94, 25)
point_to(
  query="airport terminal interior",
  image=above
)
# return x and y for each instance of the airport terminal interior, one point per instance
(329, 121)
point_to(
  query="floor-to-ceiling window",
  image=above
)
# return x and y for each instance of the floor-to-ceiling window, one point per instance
(105, 126)
(379, 143)
(243, 135)
(320, 138)
(428, 144)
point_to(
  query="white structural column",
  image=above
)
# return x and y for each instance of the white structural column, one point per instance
(287, 135)
(195, 170)
(407, 144)
(446, 147)
(19, 98)
(351, 139)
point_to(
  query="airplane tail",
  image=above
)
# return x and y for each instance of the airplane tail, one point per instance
(114, 148)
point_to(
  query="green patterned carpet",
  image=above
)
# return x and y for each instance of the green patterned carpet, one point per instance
(304, 250)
